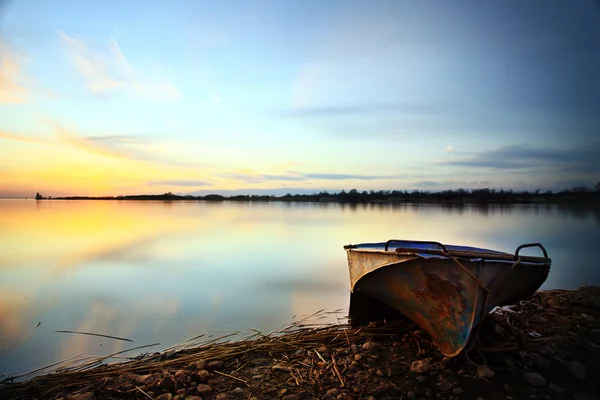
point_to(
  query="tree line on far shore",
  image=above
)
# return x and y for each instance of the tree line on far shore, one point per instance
(485, 195)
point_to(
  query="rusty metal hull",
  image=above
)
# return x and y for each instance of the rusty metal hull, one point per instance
(444, 292)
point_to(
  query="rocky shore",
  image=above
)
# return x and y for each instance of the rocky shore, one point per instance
(546, 347)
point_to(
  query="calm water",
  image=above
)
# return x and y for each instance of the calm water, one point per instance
(164, 272)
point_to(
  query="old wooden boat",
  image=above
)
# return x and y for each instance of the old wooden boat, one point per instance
(445, 289)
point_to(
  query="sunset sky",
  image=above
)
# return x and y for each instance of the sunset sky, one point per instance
(129, 96)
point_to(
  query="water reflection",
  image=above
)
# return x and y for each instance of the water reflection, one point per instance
(167, 271)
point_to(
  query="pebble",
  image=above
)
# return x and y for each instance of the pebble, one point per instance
(542, 364)
(193, 398)
(534, 379)
(457, 391)
(257, 377)
(165, 396)
(583, 396)
(166, 383)
(421, 378)
(214, 365)
(368, 346)
(202, 375)
(485, 372)
(237, 392)
(444, 386)
(198, 364)
(421, 366)
(358, 357)
(220, 396)
(323, 350)
(203, 389)
(333, 392)
(577, 370)
(291, 397)
(556, 389)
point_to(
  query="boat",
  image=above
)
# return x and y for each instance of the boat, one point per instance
(445, 289)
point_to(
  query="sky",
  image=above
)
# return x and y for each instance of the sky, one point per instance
(128, 96)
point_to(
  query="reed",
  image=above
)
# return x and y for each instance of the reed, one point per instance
(297, 335)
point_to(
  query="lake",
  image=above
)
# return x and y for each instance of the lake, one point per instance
(167, 271)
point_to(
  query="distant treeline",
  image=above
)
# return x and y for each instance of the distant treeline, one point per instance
(580, 194)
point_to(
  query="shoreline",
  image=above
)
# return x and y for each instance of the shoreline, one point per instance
(545, 347)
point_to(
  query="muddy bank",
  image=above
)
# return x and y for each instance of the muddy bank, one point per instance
(546, 347)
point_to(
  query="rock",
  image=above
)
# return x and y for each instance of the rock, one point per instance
(368, 346)
(421, 378)
(202, 375)
(83, 396)
(291, 397)
(444, 386)
(198, 364)
(214, 365)
(577, 370)
(587, 317)
(237, 393)
(167, 383)
(421, 366)
(358, 357)
(556, 389)
(180, 375)
(583, 396)
(542, 364)
(457, 390)
(165, 396)
(534, 379)
(220, 396)
(203, 389)
(553, 302)
(380, 373)
(333, 392)
(485, 372)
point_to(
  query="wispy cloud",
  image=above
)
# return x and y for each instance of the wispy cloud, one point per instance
(451, 183)
(293, 176)
(21, 138)
(108, 70)
(183, 183)
(129, 147)
(12, 90)
(583, 158)
(363, 108)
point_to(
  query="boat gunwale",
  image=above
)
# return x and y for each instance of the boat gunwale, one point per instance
(492, 255)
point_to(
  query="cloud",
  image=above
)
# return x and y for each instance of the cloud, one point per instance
(185, 183)
(583, 158)
(364, 108)
(10, 136)
(12, 90)
(347, 177)
(448, 184)
(448, 149)
(297, 176)
(130, 147)
(108, 70)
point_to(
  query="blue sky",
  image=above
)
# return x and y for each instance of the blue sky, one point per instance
(122, 97)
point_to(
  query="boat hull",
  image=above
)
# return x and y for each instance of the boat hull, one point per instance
(446, 296)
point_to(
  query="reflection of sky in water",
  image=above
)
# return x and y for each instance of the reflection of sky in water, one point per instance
(164, 272)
